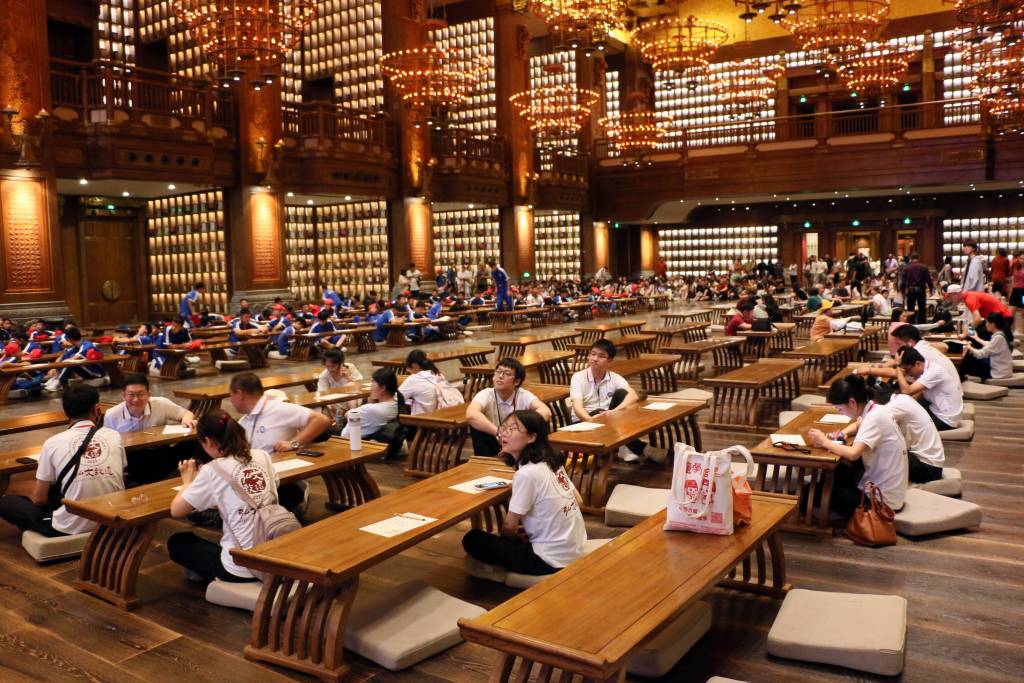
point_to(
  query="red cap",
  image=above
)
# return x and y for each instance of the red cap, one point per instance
(195, 344)
(104, 340)
(35, 353)
(93, 354)
(12, 349)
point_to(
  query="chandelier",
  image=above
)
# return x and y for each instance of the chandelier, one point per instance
(555, 113)
(431, 79)
(752, 9)
(836, 25)
(871, 72)
(989, 13)
(637, 132)
(234, 32)
(998, 61)
(746, 87)
(684, 46)
(580, 24)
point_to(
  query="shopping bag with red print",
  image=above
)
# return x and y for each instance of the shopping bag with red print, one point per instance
(701, 497)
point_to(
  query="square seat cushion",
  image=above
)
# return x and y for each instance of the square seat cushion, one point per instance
(976, 391)
(236, 595)
(925, 512)
(951, 483)
(968, 413)
(965, 432)
(629, 505)
(514, 580)
(229, 365)
(805, 401)
(863, 632)
(400, 627)
(1018, 366)
(1016, 380)
(44, 549)
(690, 394)
(723, 679)
(787, 416)
(658, 654)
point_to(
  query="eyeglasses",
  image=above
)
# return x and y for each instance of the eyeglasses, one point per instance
(510, 427)
(504, 373)
(792, 447)
(135, 394)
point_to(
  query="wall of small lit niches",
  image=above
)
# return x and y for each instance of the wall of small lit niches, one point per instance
(186, 244)
(1004, 232)
(696, 250)
(474, 38)
(156, 19)
(956, 75)
(116, 30)
(345, 43)
(469, 236)
(557, 246)
(611, 93)
(542, 78)
(300, 251)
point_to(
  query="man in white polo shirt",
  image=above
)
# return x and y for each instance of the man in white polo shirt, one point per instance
(930, 382)
(596, 389)
(492, 406)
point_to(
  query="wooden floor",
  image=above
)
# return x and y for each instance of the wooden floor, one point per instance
(965, 591)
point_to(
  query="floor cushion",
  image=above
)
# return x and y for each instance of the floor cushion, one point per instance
(629, 505)
(787, 416)
(659, 653)
(951, 483)
(805, 401)
(1018, 366)
(968, 413)
(965, 432)
(514, 580)
(229, 365)
(863, 632)
(925, 512)
(690, 394)
(400, 627)
(723, 679)
(237, 595)
(976, 391)
(482, 570)
(1015, 380)
(44, 549)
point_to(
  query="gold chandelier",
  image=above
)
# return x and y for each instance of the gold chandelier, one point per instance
(779, 9)
(746, 87)
(685, 46)
(233, 33)
(583, 24)
(637, 132)
(868, 73)
(986, 13)
(429, 78)
(998, 61)
(555, 113)
(836, 25)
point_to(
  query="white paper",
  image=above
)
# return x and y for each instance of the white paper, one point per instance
(470, 486)
(176, 488)
(658, 405)
(176, 429)
(399, 524)
(834, 419)
(794, 439)
(292, 464)
(581, 427)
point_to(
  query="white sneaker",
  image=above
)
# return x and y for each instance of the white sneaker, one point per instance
(154, 370)
(98, 382)
(344, 349)
(52, 385)
(276, 355)
(655, 454)
(468, 333)
(192, 360)
(627, 455)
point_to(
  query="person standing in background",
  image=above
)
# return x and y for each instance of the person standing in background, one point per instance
(1000, 271)
(945, 274)
(413, 275)
(915, 282)
(190, 304)
(973, 275)
(501, 294)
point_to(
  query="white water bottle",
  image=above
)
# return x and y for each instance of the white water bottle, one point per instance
(355, 430)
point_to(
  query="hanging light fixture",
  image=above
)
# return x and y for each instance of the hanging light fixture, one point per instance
(752, 9)
(746, 87)
(998, 61)
(683, 46)
(836, 25)
(430, 78)
(635, 133)
(982, 14)
(580, 24)
(554, 113)
(872, 71)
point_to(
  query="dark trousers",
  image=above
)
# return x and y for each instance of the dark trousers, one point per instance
(920, 472)
(845, 494)
(916, 303)
(976, 367)
(83, 371)
(512, 554)
(200, 556)
(484, 444)
(939, 424)
(503, 301)
(636, 445)
(27, 516)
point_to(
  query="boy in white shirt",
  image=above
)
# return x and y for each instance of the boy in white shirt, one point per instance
(930, 382)
(492, 406)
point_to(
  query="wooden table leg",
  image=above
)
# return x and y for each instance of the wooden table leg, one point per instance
(301, 626)
(511, 668)
(200, 407)
(256, 356)
(754, 578)
(116, 374)
(589, 473)
(435, 450)
(171, 367)
(364, 342)
(301, 349)
(349, 487)
(6, 382)
(109, 568)
(396, 336)
(5, 481)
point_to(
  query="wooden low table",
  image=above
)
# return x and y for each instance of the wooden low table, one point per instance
(397, 331)
(655, 371)
(468, 355)
(721, 313)
(543, 367)
(726, 351)
(589, 618)
(109, 567)
(325, 576)
(516, 346)
(699, 315)
(801, 474)
(362, 338)
(508, 321)
(823, 359)
(303, 344)
(202, 401)
(869, 340)
(591, 333)
(845, 372)
(112, 364)
(741, 394)
(804, 323)
(688, 332)
(589, 454)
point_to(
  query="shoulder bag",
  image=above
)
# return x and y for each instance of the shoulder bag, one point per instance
(872, 523)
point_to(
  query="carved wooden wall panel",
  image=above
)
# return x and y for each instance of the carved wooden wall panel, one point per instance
(267, 254)
(26, 243)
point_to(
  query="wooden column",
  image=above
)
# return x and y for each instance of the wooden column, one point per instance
(928, 78)
(782, 101)
(648, 251)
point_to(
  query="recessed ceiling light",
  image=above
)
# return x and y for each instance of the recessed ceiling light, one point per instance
(348, 198)
(126, 193)
(291, 194)
(472, 206)
(83, 181)
(172, 186)
(310, 202)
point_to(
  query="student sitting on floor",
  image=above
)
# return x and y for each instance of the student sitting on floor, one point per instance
(206, 488)
(99, 470)
(26, 382)
(75, 348)
(383, 406)
(544, 502)
(934, 385)
(174, 336)
(491, 406)
(282, 343)
(992, 359)
(338, 377)
(826, 322)
(324, 324)
(877, 454)
(420, 388)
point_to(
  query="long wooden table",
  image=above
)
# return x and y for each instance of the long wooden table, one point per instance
(109, 567)
(589, 454)
(769, 342)
(630, 345)
(741, 394)
(111, 364)
(869, 340)
(699, 315)
(726, 351)
(516, 346)
(203, 400)
(588, 618)
(823, 359)
(314, 582)
(690, 332)
(655, 371)
(591, 333)
(545, 367)
(467, 355)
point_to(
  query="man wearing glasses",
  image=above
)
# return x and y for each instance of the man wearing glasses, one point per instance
(492, 406)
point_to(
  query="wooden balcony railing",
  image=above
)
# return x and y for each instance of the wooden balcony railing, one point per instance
(111, 92)
(455, 146)
(560, 162)
(321, 124)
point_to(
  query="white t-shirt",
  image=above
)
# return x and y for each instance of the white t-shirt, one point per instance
(918, 430)
(373, 416)
(551, 517)
(595, 395)
(885, 460)
(209, 490)
(100, 471)
(273, 421)
(496, 409)
(881, 304)
(159, 412)
(943, 391)
(420, 391)
(326, 384)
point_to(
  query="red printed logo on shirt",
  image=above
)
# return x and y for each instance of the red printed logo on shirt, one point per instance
(253, 480)
(563, 480)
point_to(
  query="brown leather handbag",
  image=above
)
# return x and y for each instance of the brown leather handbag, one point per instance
(872, 523)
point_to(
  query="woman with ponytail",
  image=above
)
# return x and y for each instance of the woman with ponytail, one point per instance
(992, 359)
(385, 404)
(877, 453)
(420, 388)
(204, 488)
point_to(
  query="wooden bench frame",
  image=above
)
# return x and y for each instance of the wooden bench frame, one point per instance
(737, 402)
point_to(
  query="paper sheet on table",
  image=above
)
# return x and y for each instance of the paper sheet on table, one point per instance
(399, 524)
(176, 429)
(581, 427)
(176, 488)
(292, 464)
(658, 405)
(794, 439)
(834, 419)
(470, 486)
(331, 397)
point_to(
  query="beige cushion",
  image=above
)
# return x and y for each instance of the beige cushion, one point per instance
(723, 679)
(968, 413)
(1018, 365)
(690, 394)
(1017, 353)
(44, 549)
(805, 401)
(863, 632)
(629, 505)
(514, 580)
(951, 483)
(228, 365)
(406, 624)
(965, 432)
(929, 513)
(976, 391)
(787, 416)
(1015, 380)
(659, 653)
(237, 595)
(482, 570)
